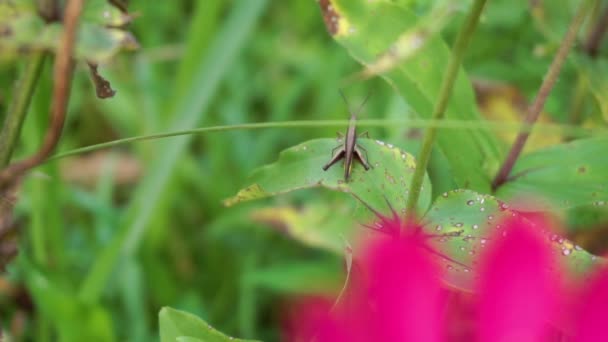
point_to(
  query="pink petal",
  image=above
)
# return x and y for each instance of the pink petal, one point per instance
(593, 314)
(313, 321)
(517, 292)
(404, 295)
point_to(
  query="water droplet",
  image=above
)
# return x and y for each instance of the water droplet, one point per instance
(578, 248)
(304, 148)
(482, 209)
(560, 241)
(459, 224)
(483, 241)
(503, 206)
(462, 249)
(482, 200)
(470, 202)
(381, 143)
(566, 251)
(390, 145)
(475, 226)
(376, 164)
(599, 203)
(438, 227)
(445, 194)
(490, 217)
(466, 270)
(449, 267)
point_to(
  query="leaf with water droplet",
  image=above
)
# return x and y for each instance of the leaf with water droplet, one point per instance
(566, 175)
(466, 232)
(300, 167)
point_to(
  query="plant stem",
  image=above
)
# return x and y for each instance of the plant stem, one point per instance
(550, 128)
(592, 45)
(445, 92)
(19, 106)
(62, 76)
(545, 88)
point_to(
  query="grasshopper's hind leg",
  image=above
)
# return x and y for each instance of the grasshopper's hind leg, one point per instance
(334, 158)
(361, 158)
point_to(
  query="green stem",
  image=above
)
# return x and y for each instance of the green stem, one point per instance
(445, 92)
(549, 129)
(578, 99)
(18, 107)
(543, 93)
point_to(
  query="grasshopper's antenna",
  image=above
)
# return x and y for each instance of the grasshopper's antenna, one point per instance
(345, 100)
(363, 103)
(360, 106)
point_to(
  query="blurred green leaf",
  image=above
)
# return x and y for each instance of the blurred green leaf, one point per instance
(300, 167)
(73, 319)
(189, 109)
(596, 72)
(567, 175)
(178, 325)
(462, 222)
(368, 30)
(23, 29)
(308, 277)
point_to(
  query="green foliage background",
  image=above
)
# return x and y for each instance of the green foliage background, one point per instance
(99, 260)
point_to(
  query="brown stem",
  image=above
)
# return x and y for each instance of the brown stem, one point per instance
(592, 45)
(62, 76)
(543, 93)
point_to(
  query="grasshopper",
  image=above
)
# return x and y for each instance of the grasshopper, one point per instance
(349, 149)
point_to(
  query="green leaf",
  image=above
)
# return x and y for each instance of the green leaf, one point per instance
(319, 224)
(176, 325)
(463, 222)
(568, 175)
(368, 29)
(300, 167)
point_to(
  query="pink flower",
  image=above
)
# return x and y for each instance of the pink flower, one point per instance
(517, 288)
(395, 294)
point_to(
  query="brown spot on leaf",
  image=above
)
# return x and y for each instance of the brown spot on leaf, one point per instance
(582, 169)
(330, 16)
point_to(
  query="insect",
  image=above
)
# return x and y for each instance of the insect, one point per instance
(349, 149)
